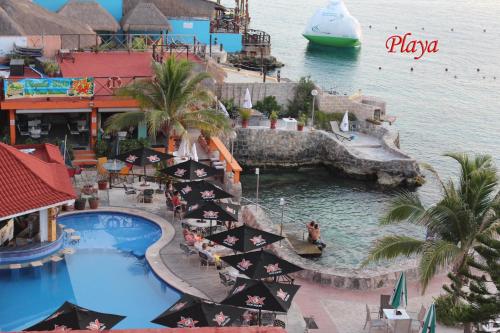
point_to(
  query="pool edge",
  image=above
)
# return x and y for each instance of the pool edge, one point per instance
(153, 251)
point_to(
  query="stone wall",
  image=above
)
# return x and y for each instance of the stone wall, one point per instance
(356, 279)
(263, 147)
(283, 91)
(363, 107)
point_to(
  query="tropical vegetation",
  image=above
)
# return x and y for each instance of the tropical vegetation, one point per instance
(171, 103)
(302, 98)
(457, 225)
(268, 105)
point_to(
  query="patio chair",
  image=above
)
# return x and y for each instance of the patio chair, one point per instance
(129, 191)
(73, 129)
(187, 250)
(374, 323)
(204, 260)
(418, 321)
(45, 129)
(384, 304)
(225, 279)
(23, 129)
(338, 134)
(402, 326)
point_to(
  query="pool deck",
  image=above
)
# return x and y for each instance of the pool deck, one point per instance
(334, 310)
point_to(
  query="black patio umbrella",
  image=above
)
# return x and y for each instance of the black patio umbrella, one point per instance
(244, 238)
(190, 170)
(74, 317)
(262, 296)
(191, 311)
(143, 157)
(199, 191)
(212, 212)
(261, 264)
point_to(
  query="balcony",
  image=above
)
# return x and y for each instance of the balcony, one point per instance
(256, 38)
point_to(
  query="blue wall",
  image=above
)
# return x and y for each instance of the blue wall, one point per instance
(201, 29)
(114, 7)
(180, 26)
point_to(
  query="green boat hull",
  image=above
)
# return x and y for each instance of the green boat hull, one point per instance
(333, 41)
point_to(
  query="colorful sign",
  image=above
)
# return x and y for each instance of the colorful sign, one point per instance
(49, 87)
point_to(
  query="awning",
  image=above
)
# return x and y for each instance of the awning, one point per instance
(110, 110)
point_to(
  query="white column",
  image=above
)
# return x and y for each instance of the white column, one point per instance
(44, 225)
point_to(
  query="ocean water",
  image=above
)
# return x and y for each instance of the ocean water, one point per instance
(437, 111)
(107, 273)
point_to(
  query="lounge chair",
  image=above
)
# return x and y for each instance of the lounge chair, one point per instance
(205, 261)
(373, 323)
(225, 279)
(187, 250)
(338, 134)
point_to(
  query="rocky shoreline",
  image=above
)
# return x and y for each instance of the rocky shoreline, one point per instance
(266, 148)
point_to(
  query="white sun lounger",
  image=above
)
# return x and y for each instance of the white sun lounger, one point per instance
(336, 131)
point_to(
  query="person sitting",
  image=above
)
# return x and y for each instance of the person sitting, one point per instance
(177, 203)
(310, 228)
(206, 251)
(316, 237)
(189, 237)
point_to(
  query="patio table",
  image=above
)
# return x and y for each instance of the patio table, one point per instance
(390, 314)
(113, 167)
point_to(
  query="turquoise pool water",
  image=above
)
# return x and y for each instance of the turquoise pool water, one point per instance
(107, 273)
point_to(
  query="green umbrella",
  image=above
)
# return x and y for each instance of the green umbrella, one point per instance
(399, 297)
(430, 320)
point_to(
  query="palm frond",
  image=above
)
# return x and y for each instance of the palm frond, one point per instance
(405, 207)
(435, 255)
(123, 120)
(390, 247)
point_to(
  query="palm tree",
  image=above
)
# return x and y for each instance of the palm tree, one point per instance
(171, 103)
(467, 210)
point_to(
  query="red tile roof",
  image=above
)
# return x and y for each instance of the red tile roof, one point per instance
(28, 182)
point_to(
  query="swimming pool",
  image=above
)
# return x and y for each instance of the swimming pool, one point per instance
(107, 273)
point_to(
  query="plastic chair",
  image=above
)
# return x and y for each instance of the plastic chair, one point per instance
(373, 323)
(384, 304)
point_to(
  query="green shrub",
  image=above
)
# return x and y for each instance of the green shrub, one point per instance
(51, 68)
(267, 105)
(302, 99)
(102, 149)
(274, 116)
(131, 144)
(322, 119)
(230, 107)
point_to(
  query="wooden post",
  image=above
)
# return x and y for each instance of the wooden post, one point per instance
(171, 145)
(12, 126)
(93, 128)
(52, 224)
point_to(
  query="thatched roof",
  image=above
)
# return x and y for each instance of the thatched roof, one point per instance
(179, 8)
(145, 17)
(25, 18)
(90, 13)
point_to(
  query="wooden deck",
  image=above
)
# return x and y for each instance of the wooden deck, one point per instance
(303, 248)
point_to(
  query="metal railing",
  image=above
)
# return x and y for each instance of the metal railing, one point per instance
(276, 214)
(256, 37)
(225, 26)
(107, 85)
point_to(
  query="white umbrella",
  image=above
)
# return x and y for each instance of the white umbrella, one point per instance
(344, 126)
(194, 152)
(183, 148)
(247, 102)
(223, 109)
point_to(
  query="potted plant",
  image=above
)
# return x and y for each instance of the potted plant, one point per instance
(301, 122)
(102, 183)
(274, 119)
(68, 208)
(51, 68)
(93, 202)
(245, 115)
(80, 203)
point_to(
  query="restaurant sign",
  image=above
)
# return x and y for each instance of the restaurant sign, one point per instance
(49, 87)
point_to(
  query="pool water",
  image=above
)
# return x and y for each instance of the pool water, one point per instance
(107, 273)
